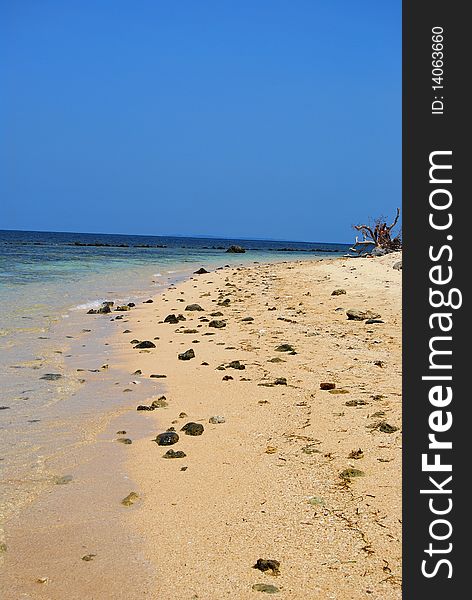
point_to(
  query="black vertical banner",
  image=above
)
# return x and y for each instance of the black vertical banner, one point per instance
(437, 430)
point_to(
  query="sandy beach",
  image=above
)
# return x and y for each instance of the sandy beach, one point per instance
(294, 473)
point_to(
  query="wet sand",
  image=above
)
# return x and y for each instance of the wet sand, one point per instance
(265, 483)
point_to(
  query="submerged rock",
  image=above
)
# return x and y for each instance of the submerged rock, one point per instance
(193, 428)
(234, 249)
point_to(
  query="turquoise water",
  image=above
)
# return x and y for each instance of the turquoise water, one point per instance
(48, 281)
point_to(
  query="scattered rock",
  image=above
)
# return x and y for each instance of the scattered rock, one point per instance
(51, 376)
(171, 319)
(236, 364)
(194, 307)
(148, 301)
(187, 355)
(265, 587)
(373, 321)
(356, 403)
(174, 454)
(353, 314)
(327, 386)
(138, 372)
(234, 249)
(168, 438)
(350, 473)
(247, 319)
(217, 323)
(216, 419)
(193, 428)
(156, 376)
(161, 402)
(285, 348)
(201, 271)
(182, 415)
(123, 308)
(268, 565)
(216, 314)
(398, 266)
(338, 292)
(62, 479)
(88, 557)
(227, 378)
(124, 441)
(384, 427)
(356, 454)
(280, 381)
(145, 344)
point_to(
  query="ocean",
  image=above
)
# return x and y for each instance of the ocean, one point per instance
(48, 281)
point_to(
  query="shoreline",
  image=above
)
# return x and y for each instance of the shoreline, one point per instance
(259, 485)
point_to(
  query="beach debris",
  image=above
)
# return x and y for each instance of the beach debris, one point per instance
(268, 565)
(236, 364)
(350, 473)
(353, 314)
(62, 479)
(51, 376)
(285, 348)
(234, 249)
(217, 323)
(145, 344)
(201, 271)
(216, 419)
(88, 557)
(168, 438)
(338, 292)
(174, 454)
(356, 454)
(193, 428)
(143, 407)
(327, 385)
(265, 587)
(126, 441)
(130, 499)
(194, 307)
(187, 355)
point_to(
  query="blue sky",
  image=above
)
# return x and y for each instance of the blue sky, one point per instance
(247, 118)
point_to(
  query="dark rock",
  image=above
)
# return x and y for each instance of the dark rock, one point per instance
(171, 319)
(174, 454)
(148, 301)
(384, 427)
(236, 364)
(131, 304)
(327, 386)
(338, 292)
(51, 376)
(225, 302)
(373, 321)
(145, 344)
(236, 249)
(193, 428)
(159, 403)
(138, 372)
(105, 309)
(201, 271)
(187, 355)
(124, 441)
(143, 407)
(156, 376)
(216, 314)
(194, 307)
(247, 319)
(168, 438)
(271, 565)
(123, 308)
(134, 341)
(216, 323)
(285, 348)
(227, 378)
(398, 266)
(280, 381)
(350, 473)
(353, 314)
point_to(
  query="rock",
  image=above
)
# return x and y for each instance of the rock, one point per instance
(159, 403)
(356, 403)
(338, 292)
(122, 308)
(138, 372)
(236, 364)
(224, 302)
(182, 415)
(285, 348)
(130, 499)
(216, 419)
(187, 355)
(131, 304)
(373, 321)
(327, 386)
(247, 319)
(356, 454)
(171, 319)
(269, 564)
(88, 557)
(216, 323)
(201, 271)
(280, 381)
(51, 376)
(353, 314)
(62, 479)
(236, 249)
(168, 438)
(265, 587)
(148, 301)
(397, 266)
(156, 376)
(276, 359)
(193, 428)
(227, 378)
(384, 427)
(174, 454)
(121, 432)
(144, 407)
(145, 344)
(105, 309)
(216, 314)
(194, 307)
(350, 473)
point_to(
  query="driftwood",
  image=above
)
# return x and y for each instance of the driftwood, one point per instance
(378, 235)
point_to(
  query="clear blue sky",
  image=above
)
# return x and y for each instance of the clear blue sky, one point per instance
(239, 118)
